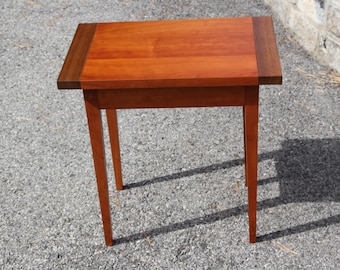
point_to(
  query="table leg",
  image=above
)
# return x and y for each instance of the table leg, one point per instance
(251, 138)
(245, 145)
(111, 116)
(96, 135)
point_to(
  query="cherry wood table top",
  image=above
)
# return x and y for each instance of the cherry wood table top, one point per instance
(172, 53)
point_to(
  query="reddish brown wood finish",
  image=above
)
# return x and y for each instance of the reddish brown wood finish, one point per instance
(250, 115)
(98, 151)
(111, 115)
(182, 53)
(171, 97)
(166, 64)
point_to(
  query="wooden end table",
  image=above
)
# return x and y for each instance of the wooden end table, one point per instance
(167, 64)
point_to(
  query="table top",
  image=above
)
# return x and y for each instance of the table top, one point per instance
(172, 53)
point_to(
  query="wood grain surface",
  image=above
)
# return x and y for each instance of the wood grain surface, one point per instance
(178, 53)
(172, 53)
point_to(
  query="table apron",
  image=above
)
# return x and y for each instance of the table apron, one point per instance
(175, 97)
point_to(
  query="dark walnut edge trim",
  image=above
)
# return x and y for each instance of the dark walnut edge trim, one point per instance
(69, 77)
(268, 62)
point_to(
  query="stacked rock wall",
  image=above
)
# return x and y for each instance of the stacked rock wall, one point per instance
(315, 24)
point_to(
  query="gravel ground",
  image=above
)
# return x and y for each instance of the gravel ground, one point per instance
(185, 202)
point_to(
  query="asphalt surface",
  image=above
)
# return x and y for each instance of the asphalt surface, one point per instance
(185, 203)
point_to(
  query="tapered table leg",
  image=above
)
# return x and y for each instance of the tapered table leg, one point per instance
(98, 150)
(245, 145)
(111, 115)
(251, 138)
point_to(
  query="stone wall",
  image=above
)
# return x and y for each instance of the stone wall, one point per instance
(315, 24)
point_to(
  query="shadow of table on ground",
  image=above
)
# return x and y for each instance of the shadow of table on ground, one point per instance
(307, 171)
